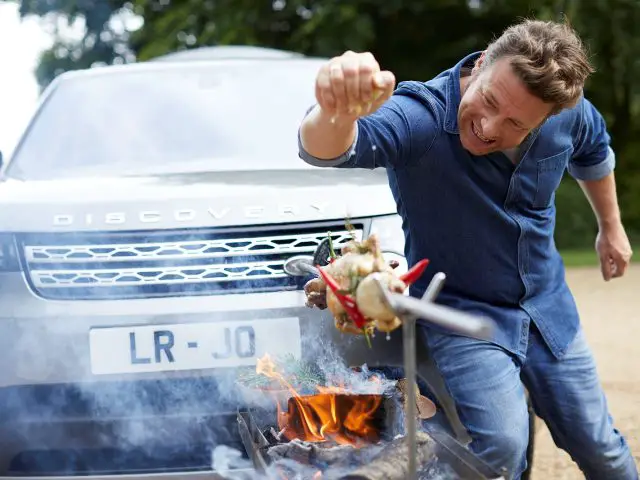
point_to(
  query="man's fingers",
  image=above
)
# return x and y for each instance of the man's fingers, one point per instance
(352, 85)
(385, 81)
(619, 266)
(614, 265)
(607, 267)
(383, 84)
(604, 268)
(368, 68)
(351, 73)
(324, 92)
(338, 87)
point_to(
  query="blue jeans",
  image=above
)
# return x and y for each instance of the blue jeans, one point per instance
(488, 386)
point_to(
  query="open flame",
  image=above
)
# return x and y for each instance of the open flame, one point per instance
(331, 414)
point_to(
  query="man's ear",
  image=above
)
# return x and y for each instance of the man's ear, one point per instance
(478, 64)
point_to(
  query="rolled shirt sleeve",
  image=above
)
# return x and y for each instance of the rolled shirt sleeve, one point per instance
(340, 161)
(399, 133)
(593, 156)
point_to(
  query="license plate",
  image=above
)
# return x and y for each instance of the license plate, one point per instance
(191, 346)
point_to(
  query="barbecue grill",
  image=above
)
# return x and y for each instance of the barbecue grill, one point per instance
(449, 450)
(446, 452)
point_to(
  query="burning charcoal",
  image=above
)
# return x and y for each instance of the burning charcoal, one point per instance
(291, 470)
(313, 453)
(392, 462)
(383, 461)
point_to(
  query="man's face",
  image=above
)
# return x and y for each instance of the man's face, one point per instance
(496, 111)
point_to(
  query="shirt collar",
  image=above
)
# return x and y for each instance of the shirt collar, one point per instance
(453, 92)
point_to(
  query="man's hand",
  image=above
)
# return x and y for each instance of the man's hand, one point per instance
(614, 250)
(347, 87)
(352, 85)
(612, 243)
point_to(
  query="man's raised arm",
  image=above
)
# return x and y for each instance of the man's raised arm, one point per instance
(347, 87)
(362, 121)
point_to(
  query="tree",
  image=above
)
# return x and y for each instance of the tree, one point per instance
(414, 38)
(609, 29)
(104, 40)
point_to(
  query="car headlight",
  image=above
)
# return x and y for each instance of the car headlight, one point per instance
(389, 231)
(8, 254)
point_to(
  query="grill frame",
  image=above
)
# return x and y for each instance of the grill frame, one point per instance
(465, 464)
(263, 266)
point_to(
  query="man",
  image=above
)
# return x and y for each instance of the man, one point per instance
(474, 157)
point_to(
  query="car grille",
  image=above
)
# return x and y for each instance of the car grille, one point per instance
(117, 265)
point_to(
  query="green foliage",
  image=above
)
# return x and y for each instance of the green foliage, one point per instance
(414, 38)
(576, 226)
(394, 30)
(628, 180)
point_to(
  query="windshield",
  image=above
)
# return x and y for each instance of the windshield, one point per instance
(179, 118)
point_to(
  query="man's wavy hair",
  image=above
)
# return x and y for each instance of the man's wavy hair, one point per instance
(548, 57)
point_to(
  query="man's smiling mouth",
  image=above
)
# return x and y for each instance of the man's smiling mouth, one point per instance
(479, 135)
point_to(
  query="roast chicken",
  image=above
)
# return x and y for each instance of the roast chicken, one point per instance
(352, 271)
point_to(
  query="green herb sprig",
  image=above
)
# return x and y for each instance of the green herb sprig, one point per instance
(301, 375)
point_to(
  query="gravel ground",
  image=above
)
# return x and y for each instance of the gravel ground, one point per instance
(611, 318)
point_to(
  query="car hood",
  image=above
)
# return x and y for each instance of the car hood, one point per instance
(195, 199)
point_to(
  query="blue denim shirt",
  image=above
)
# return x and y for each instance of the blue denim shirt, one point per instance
(486, 222)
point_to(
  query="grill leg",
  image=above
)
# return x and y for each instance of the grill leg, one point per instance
(409, 341)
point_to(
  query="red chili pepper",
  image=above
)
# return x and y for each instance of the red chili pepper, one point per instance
(415, 272)
(347, 301)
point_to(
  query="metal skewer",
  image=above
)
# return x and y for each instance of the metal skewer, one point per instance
(409, 342)
(300, 265)
(409, 310)
(410, 368)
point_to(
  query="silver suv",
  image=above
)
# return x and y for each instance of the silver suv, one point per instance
(146, 215)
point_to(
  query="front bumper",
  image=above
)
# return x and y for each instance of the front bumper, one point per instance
(59, 419)
(52, 346)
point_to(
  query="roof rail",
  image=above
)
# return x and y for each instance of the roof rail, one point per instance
(227, 52)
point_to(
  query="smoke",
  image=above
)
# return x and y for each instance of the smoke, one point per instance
(121, 427)
(436, 470)
(66, 420)
(176, 421)
(329, 356)
(226, 461)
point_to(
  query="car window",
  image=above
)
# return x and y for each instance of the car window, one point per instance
(137, 122)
